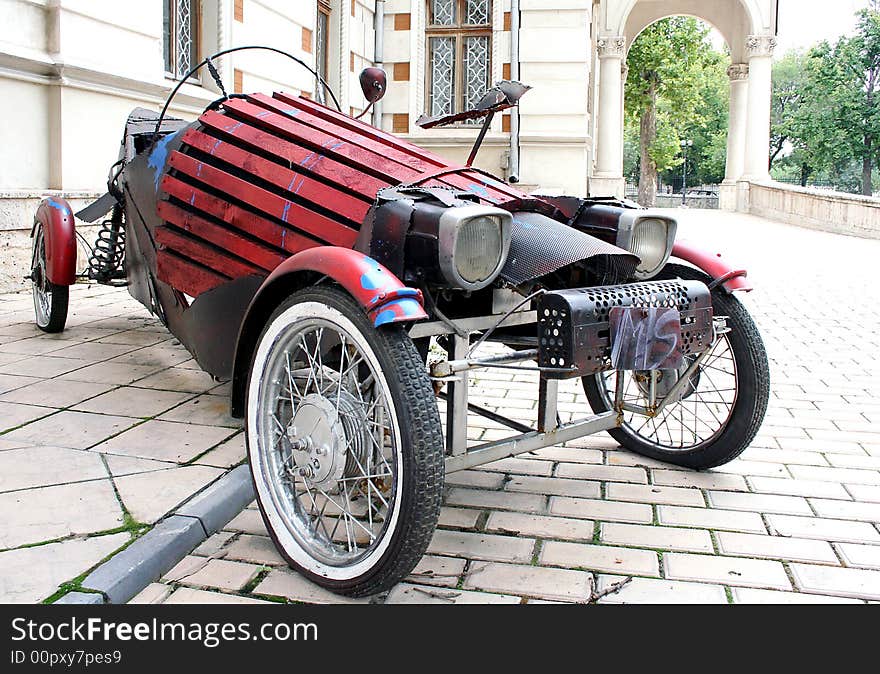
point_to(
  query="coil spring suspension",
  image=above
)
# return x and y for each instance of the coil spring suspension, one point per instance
(108, 253)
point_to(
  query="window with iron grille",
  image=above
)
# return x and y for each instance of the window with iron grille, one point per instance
(180, 23)
(459, 34)
(322, 46)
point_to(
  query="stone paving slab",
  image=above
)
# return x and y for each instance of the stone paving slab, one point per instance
(69, 495)
(116, 419)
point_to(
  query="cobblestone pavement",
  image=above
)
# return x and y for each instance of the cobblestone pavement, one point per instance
(795, 519)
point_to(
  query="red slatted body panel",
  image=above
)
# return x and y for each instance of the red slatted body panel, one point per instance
(291, 153)
(269, 203)
(267, 177)
(252, 252)
(467, 179)
(281, 237)
(186, 276)
(209, 257)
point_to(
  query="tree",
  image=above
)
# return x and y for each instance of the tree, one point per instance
(669, 65)
(837, 116)
(789, 80)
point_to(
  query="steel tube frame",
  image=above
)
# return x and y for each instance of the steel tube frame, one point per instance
(550, 431)
(527, 442)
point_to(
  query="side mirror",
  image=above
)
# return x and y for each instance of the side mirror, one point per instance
(373, 81)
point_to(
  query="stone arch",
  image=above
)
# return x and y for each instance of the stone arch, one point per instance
(748, 27)
(730, 17)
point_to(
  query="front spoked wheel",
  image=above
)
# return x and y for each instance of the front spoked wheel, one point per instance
(50, 301)
(345, 445)
(715, 415)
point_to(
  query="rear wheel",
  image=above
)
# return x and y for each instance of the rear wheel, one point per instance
(345, 444)
(717, 413)
(50, 301)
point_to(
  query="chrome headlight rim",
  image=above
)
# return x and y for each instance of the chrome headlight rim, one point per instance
(451, 222)
(626, 230)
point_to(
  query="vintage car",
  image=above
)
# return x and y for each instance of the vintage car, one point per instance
(312, 260)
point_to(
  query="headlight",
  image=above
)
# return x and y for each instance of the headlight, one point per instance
(473, 245)
(648, 235)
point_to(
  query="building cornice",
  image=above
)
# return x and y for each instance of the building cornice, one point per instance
(38, 68)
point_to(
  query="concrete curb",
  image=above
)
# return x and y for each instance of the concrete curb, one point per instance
(124, 575)
(81, 598)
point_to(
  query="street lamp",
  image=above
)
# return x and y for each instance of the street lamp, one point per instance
(685, 144)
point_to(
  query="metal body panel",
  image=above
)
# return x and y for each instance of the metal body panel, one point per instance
(374, 287)
(574, 327)
(540, 246)
(56, 218)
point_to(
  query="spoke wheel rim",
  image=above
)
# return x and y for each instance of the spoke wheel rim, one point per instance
(42, 291)
(322, 398)
(694, 421)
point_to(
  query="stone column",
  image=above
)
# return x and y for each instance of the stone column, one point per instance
(736, 134)
(759, 49)
(607, 178)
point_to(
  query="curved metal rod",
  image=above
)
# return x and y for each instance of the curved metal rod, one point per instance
(208, 59)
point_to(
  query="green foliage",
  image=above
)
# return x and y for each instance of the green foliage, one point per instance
(789, 82)
(676, 74)
(826, 105)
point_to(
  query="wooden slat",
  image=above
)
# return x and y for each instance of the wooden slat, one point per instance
(272, 234)
(185, 276)
(357, 126)
(351, 131)
(304, 187)
(344, 176)
(320, 226)
(493, 191)
(324, 141)
(362, 128)
(199, 251)
(247, 249)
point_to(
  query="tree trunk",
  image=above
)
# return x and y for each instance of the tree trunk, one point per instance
(805, 174)
(867, 167)
(647, 136)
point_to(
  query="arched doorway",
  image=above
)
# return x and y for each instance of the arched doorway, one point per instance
(749, 28)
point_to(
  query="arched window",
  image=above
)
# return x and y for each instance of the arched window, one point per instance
(459, 34)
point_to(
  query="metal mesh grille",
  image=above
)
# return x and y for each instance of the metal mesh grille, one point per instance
(540, 246)
(477, 12)
(443, 12)
(183, 37)
(476, 71)
(442, 75)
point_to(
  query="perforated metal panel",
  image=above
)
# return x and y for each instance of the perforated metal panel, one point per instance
(540, 245)
(573, 325)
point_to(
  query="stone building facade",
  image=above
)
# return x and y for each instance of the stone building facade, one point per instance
(72, 70)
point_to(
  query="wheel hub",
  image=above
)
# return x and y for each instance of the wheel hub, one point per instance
(667, 379)
(329, 437)
(37, 277)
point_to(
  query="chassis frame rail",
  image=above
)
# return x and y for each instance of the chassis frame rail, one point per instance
(454, 372)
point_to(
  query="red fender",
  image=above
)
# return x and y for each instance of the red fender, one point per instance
(381, 294)
(723, 273)
(56, 217)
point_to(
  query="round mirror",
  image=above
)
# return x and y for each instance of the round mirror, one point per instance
(373, 82)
